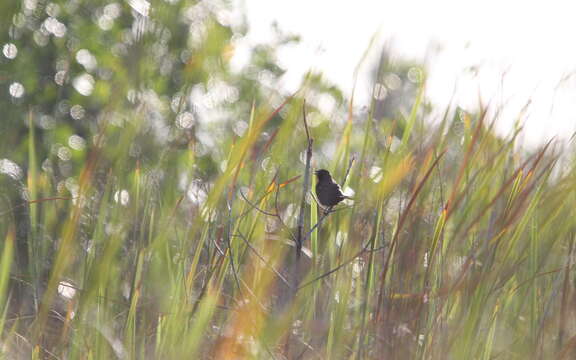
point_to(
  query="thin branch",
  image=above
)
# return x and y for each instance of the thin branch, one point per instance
(255, 206)
(267, 263)
(305, 122)
(261, 198)
(292, 236)
(324, 215)
(305, 186)
(229, 243)
(277, 214)
(365, 249)
(350, 163)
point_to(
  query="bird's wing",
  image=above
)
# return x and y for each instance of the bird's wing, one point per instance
(337, 190)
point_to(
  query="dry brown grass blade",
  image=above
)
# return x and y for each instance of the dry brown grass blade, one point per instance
(267, 145)
(399, 228)
(260, 125)
(450, 206)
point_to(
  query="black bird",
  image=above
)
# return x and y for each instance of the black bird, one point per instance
(327, 190)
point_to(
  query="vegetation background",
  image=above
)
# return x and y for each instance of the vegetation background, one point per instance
(152, 201)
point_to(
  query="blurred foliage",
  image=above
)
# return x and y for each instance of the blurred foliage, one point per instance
(78, 66)
(150, 191)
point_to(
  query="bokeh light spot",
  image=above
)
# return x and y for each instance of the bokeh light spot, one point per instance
(17, 90)
(84, 84)
(10, 50)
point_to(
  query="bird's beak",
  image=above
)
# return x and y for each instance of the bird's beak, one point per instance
(316, 172)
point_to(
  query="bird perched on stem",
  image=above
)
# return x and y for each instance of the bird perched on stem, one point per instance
(328, 191)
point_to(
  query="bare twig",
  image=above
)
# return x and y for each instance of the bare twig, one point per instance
(365, 249)
(324, 215)
(276, 214)
(254, 206)
(229, 242)
(266, 262)
(350, 163)
(306, 184)
(261, 198)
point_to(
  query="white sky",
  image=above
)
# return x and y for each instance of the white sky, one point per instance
(523, 50)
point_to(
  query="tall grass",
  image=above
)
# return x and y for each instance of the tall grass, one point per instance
(155, 240)
(457, 245)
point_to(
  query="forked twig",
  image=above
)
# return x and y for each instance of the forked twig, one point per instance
(276, 214)
(254, 206)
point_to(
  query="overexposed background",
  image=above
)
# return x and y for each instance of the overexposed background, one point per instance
(507, 54)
